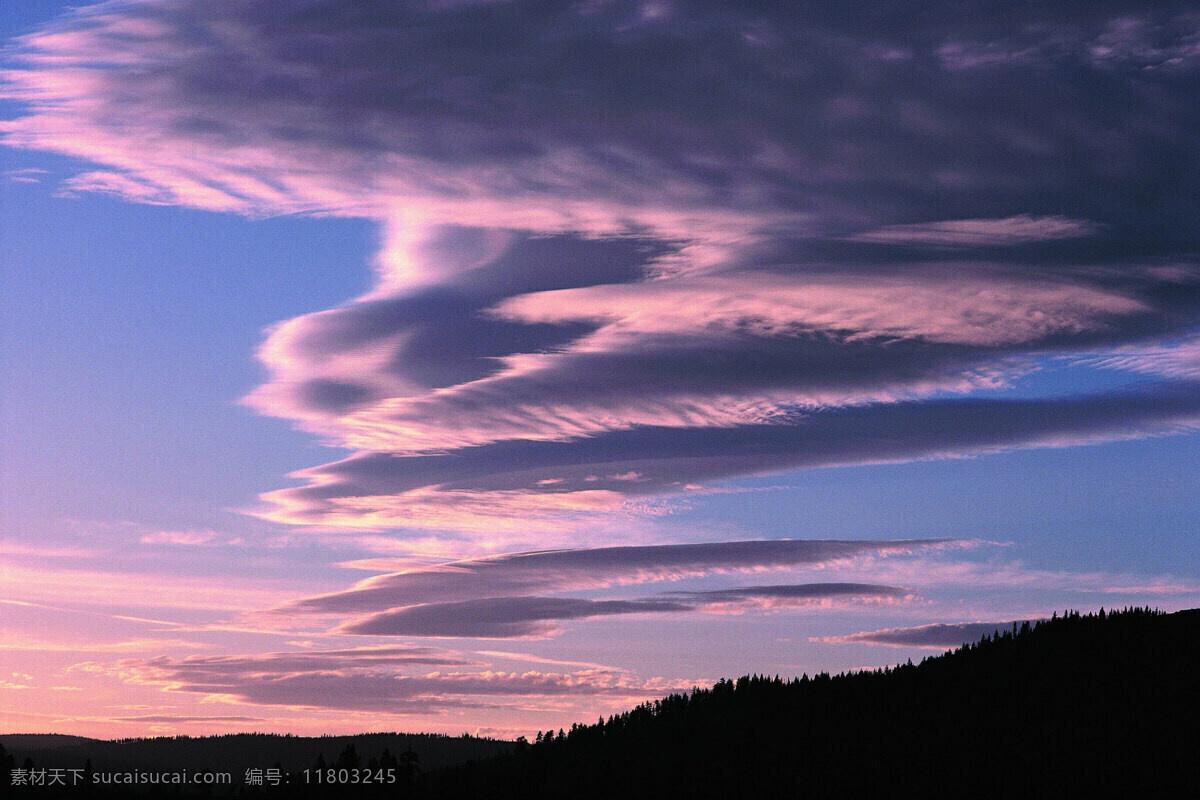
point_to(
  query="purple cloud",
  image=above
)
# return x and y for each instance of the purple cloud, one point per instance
(349, 680)
(1021, 229)
(583, 102)
(514, 575)
(529, 617)
(783, 595)
(613, 266)
(500, 617)
(530, 478)
(386, 657)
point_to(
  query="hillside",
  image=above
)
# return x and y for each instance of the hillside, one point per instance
(1077, 705)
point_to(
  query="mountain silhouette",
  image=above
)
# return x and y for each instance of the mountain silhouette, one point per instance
(1099, 705)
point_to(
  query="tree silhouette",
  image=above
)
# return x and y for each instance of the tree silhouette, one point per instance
(410, 764)
(7, 765)
(1077, 705)
(347, 759)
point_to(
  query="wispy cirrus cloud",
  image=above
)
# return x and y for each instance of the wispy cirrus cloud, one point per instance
(21, 550)
(387, 657)
(181, 538)
(1179, 358)
(605, 253)
(110, 589)
(28, 175)
(184, 719)
(1021, 229)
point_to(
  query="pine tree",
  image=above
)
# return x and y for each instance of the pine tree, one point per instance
(348, 759)
(7, 764)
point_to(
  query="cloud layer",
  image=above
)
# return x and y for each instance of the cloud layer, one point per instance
(371, 679)
(527, 617)
(532, 481)
(632, 248)
(517, 575)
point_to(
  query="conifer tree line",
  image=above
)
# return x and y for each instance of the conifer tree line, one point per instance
(1077, 705)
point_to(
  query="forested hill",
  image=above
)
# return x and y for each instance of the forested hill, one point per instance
(1101, 705)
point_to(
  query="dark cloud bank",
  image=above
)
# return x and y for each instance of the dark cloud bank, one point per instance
(631, 248)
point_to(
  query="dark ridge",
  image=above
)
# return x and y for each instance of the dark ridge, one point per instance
(1098, 705)
(21, 742)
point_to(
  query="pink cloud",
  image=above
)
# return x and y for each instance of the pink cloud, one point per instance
(951, 303)
(184, 538)
(343, 680)
(504, 516)
(1178, 358)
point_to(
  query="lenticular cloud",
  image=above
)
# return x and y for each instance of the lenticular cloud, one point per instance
(627, 254)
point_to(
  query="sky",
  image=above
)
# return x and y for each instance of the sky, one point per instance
(488, 366)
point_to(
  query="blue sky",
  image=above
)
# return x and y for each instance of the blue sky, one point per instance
(488, 367)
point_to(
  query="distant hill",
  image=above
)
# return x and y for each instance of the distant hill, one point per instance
(41, 741)
(1103, 705)
(233, 754)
